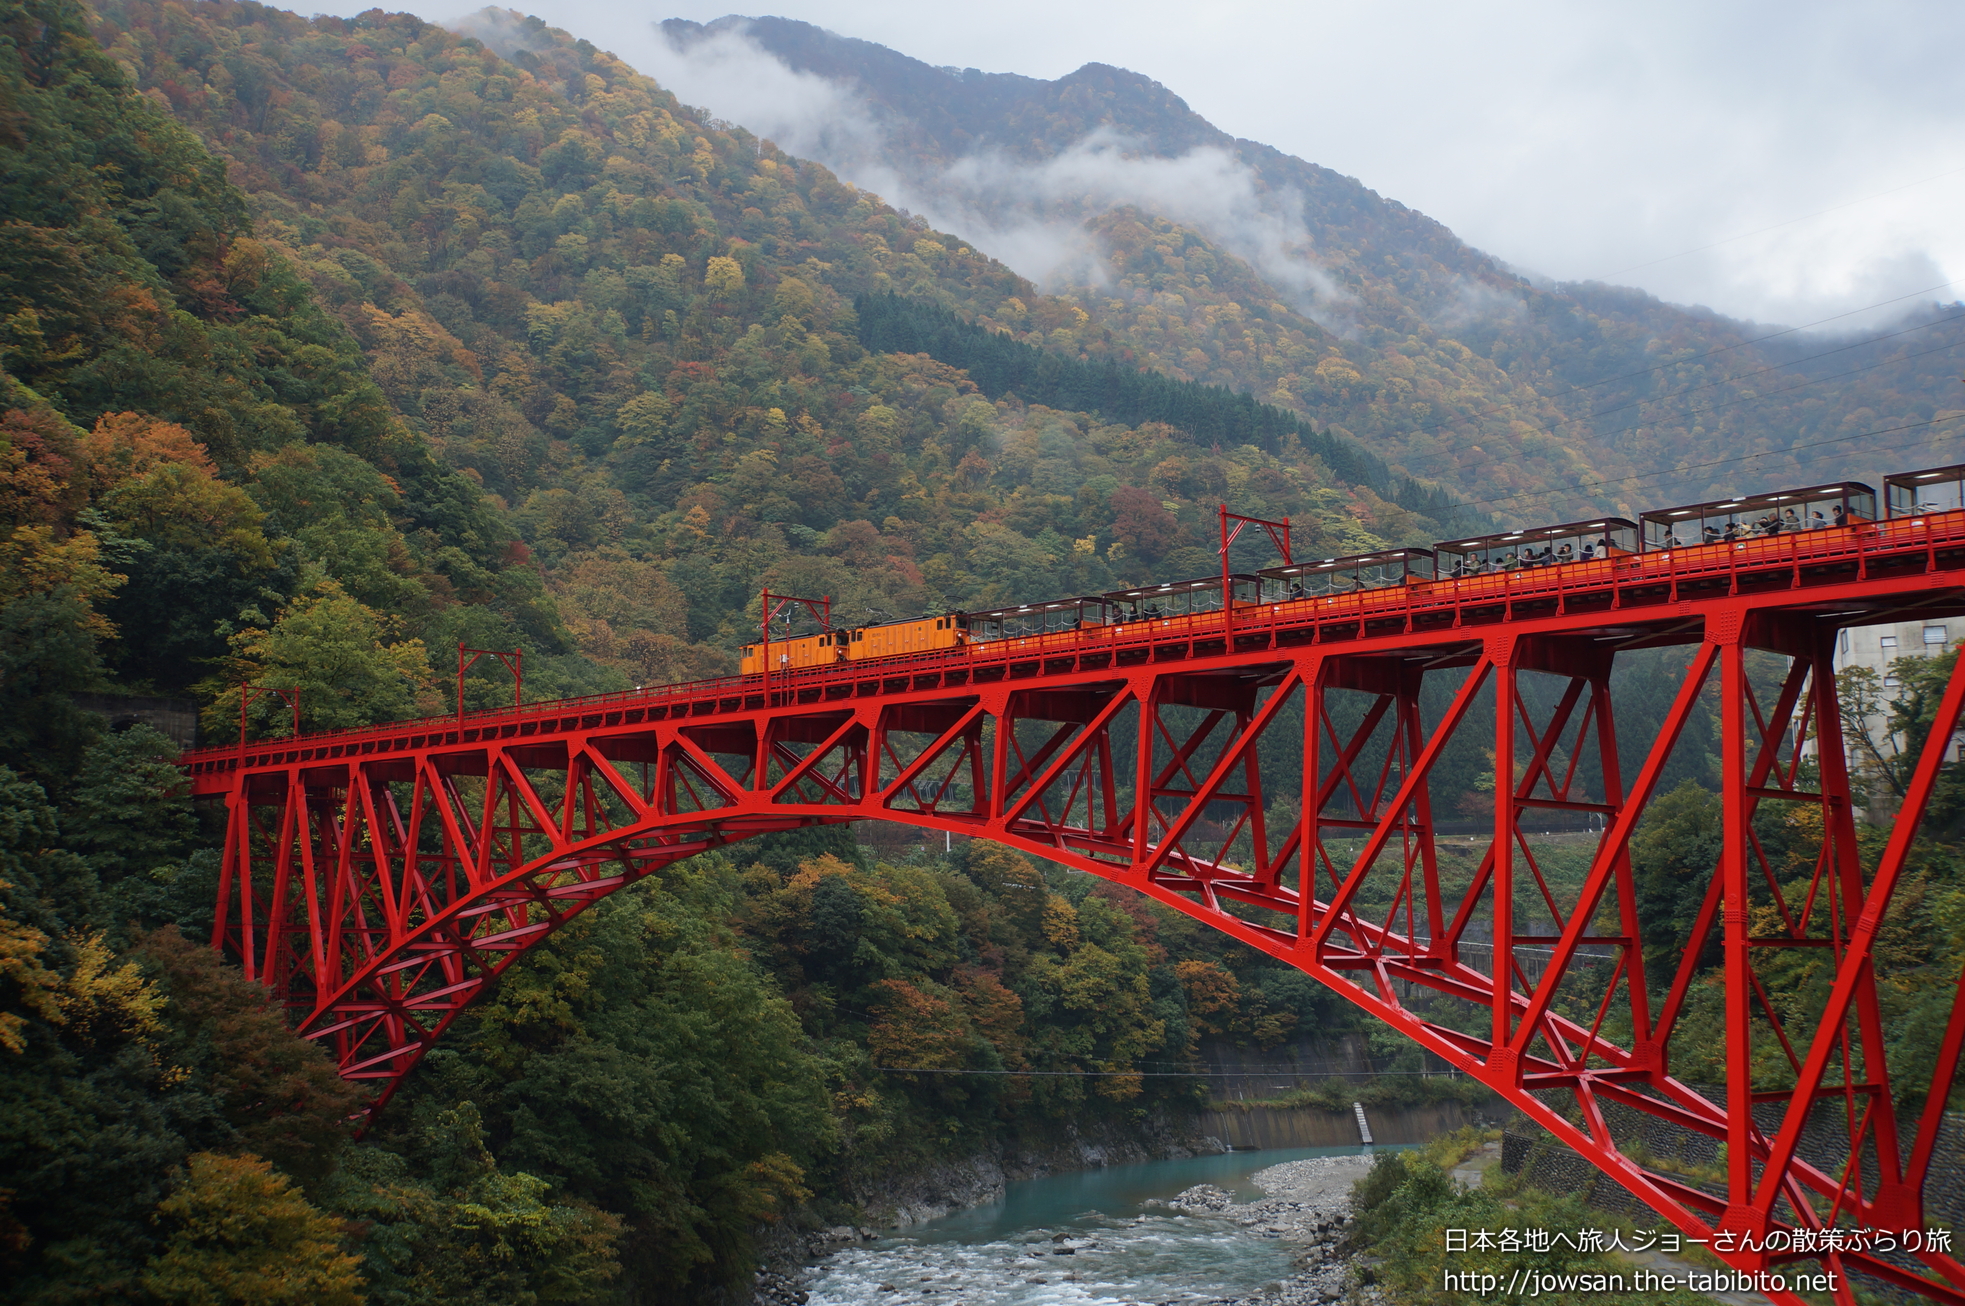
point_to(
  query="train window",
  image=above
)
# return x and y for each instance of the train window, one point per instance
(1179, 598)
(1758, 516)
(1936, 489)
(858, 636)
(1034, 619)
(1541, 546)
(1364, 571)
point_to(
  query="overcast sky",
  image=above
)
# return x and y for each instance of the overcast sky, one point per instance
(1647, 145)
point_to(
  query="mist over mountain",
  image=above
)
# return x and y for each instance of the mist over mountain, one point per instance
(1545, 400)
(332, 347)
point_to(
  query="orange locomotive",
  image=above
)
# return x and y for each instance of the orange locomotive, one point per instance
(1476, 564)
(833, 646)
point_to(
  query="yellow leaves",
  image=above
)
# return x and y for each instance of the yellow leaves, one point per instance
(240, 1232)
(35, 560)
(126, 447)
(915, 1029)
(880, 430)
(409, 350)
(809, 873)
(101, 999)
(1060, 922)
(188, 507)
(1211, 992)
(702, 159)
(723, 277)
(644, 418)
(777, 1182)
(37, 989)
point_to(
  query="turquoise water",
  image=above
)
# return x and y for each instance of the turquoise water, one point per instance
(1124, 1253)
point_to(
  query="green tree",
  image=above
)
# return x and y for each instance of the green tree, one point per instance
(129, 813)
(47, 653)
(457, 1228)
(349, 663)
(645, 1064)
(280, 1094)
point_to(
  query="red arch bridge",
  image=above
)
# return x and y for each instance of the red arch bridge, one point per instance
(1273, 778)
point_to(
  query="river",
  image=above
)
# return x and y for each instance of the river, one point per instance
(1086, 1238)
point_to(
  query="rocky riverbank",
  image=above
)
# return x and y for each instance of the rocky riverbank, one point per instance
(1309, 1207)
(900, 1201)
(1159, 1255)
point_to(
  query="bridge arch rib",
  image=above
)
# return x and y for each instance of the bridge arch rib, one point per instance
(1276, 785)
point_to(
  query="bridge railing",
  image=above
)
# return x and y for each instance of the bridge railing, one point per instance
(1695, 564)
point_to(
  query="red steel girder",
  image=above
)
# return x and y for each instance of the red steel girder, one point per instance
(379, 881)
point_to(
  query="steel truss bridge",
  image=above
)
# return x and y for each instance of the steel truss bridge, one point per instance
(1271, 778)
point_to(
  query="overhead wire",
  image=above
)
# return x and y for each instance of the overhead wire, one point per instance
(1761, 231)
(1409, 467)
(1492, 410)
(1577, 490)
(1776, 367)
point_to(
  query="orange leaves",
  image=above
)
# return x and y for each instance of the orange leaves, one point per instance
(995, 1012)
(1213, 995)
(37, 460)
(915, 1029)
(126, 447)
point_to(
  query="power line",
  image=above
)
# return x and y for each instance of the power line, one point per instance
(1789, 389)
(1408, 468)
(1717, 462)
(1411, 468)
(1776, 367)
(1152, 1074)
(1755, 340)
(1746, 235)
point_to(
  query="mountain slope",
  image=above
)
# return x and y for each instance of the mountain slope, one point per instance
(636, 328)
(189, 442)
(1450, 364)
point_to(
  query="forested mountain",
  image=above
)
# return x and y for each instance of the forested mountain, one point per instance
(332, 343)
(636, 330)
(329, 343)
(1316, 293)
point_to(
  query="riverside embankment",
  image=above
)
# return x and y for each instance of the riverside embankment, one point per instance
(1235, 1227)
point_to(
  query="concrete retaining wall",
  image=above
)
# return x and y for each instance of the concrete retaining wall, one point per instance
(1281, 1127)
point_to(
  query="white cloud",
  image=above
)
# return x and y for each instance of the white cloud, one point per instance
(1581, 141)
(1031, 216)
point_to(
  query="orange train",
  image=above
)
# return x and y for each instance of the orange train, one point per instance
(832, 646)
(1589, 545)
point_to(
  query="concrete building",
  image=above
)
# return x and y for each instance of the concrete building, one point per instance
(1877, 648)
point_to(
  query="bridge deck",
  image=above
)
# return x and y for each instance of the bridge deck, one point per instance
(1632, 587)
(379, 880)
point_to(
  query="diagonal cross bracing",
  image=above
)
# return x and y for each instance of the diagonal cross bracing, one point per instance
(379, 882)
